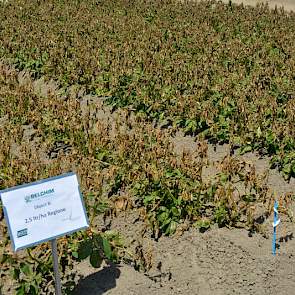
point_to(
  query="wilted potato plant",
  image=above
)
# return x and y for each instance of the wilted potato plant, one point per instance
(222, 73)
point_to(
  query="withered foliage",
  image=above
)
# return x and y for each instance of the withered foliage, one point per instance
(223, 72)
(125, 165)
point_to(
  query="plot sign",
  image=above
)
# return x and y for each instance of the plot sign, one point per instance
(44, 210)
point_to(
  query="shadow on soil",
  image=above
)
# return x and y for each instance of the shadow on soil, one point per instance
(286, 238)
(98, 283)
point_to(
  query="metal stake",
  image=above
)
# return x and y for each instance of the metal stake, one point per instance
(276, 222)
(55, 267)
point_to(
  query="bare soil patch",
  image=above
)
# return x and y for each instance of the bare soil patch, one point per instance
(221, 261)
(288, 5)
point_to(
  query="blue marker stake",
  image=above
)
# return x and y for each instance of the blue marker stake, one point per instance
(276, 222)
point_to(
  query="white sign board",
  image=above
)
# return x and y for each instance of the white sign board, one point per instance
(43, 210)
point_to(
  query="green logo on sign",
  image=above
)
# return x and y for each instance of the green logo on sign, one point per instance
(37, 196)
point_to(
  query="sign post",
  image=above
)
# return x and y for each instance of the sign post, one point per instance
(43, 211)
(55, 267)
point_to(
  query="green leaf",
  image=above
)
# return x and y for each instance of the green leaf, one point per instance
(21, 290)
(16, 273)
(258, 132)
(245, 149)
(172, 227)
(85, 249)
(75, 254)
(221, 215)
(25, 268)
(150, 198)
(169, 174)
(162, 217)
(202, 224)
(107, 248)
(95, 259)
(223, 177)
(165, 223)
(33, 289)
(211, 191)
(175, 211)
(287, 169)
